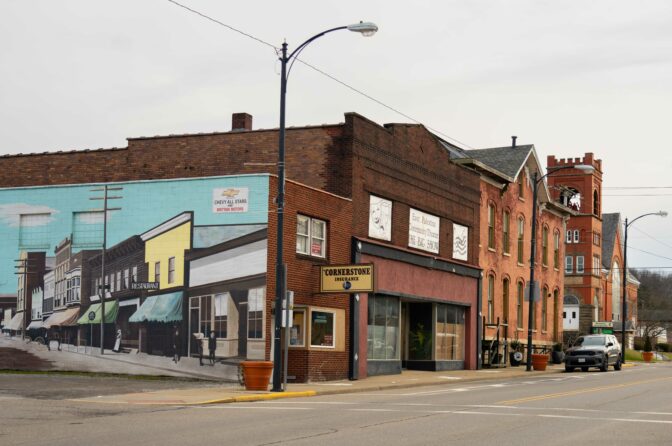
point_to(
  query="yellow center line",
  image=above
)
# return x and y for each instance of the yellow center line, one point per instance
(581, 391)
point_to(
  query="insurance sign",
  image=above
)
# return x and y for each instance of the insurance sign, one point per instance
(346, 278)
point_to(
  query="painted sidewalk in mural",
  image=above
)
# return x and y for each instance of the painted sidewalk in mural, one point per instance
(17, 354)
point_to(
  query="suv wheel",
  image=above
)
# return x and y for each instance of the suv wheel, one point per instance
(617, 366)
(605, 364)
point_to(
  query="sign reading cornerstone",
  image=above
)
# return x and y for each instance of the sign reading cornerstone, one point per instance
(346, 278)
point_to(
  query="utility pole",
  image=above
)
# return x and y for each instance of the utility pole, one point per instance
(104, 287)
(24, 267)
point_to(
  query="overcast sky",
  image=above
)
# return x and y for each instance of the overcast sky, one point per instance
(568, 76)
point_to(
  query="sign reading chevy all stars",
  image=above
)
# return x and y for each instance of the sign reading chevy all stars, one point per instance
(346, 278)
(230, 200)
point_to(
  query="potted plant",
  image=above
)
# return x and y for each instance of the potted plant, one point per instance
(647, 354)
(515, 354)
(557, 355)
(539, 361)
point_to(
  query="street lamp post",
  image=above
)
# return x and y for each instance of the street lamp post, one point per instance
(625, 277)
(533, 252)
(366, 29)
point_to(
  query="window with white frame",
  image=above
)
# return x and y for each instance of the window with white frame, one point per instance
(556, 250)
(126, 278)
(596, 265)
(157, 272)
(118, 287)
(576, 236)
(322, 329)
(221, 315)
(255, 313)
(568, 237)
(134, 276)
(311, 236)
(569, 264)
(171, 270)
(521, 235)
(580, 266)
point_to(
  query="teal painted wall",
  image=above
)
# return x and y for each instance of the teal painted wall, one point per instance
(144, 204)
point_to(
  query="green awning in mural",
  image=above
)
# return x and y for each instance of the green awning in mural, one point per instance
(160, 308)
(111, 311)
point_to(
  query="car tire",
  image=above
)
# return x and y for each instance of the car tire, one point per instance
(617, 366)
(584, 369)
(605, 364)
(569, 369)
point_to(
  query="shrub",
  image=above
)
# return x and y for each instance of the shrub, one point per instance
(647, 344)
(639, 344)
(665, 347)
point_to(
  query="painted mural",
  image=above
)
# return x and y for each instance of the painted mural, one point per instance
(184, 273)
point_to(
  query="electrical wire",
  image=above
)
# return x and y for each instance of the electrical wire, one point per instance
(322, 72)
(652, 237)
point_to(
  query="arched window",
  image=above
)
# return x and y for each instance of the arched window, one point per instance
(544, 309)
(544, 245)
(519, 304)
(505, 300)
(596, 204)
(521, 234)
(556, 249)
(491, 299)
(521, 185)
(506, 232)
(491, 226)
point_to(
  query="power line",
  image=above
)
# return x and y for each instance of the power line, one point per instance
(652, 237)
(637, 195)
(638, 187)
(650, 253)
(322, 72)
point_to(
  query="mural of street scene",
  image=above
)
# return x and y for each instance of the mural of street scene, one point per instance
(184, 269)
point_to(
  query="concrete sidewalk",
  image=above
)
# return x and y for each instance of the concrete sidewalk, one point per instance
(234, 394)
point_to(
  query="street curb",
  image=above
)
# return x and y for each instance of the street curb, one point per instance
(342, 391)
(259, 397)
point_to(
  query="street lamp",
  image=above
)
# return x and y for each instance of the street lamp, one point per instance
(366, 29)
(530, 316)
(625, 277)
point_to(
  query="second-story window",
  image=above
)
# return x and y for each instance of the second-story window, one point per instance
(491, 298)
(491, 226)
(157, 272)
(544, 246)
(556, 250)
(134, 277)
(576, 236)
(521, 234)
(171, 270)
(311, 236)
(118, 281)
(569, 264)
(579, 264)
(506, 241)
(126, 278)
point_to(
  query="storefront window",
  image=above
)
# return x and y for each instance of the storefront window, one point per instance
(255, 313)
(321, 329)
(383, 330)
(297, 332)
(206, 313)
(221, 314)
(449, 333)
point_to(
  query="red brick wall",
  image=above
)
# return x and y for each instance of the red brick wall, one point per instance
(303, 274)
(502, 265)
(314, 156)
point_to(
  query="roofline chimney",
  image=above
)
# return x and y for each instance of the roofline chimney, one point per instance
(513, 141)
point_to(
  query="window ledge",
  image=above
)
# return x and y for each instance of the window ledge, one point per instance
(506, 254)
(312, 258)
(492, 250)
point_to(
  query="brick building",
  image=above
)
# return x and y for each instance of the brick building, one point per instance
(593, 261)
(425, 258)
(505, 244)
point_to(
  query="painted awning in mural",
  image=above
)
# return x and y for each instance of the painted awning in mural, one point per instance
(111, 312)
(64, 318)
(34, 325)
(160, 308)
(16, 323)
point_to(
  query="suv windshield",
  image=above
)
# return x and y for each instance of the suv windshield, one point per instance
(592, 340)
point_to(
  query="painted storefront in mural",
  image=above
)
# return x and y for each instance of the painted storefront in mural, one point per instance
(186, 259)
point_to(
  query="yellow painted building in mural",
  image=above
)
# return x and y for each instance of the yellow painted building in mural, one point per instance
(165, 246)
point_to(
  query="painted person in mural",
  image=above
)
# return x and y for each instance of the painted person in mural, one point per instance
(176, 343)
(212, 346)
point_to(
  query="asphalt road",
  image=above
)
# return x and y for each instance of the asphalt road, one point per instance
(633, 406)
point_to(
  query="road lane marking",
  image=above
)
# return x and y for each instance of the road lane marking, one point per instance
(580, 391)
(237, 406)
